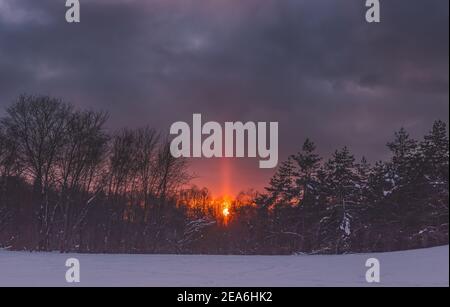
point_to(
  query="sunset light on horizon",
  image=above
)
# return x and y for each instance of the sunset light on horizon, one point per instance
(224, 143)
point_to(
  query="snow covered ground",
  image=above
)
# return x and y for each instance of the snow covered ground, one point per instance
(427, 267)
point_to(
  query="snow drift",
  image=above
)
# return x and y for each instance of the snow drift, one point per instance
(426, 267)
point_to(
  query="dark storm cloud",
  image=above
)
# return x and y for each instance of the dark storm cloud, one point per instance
(315, 66)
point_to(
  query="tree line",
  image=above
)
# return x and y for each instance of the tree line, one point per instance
(342, 206)
(339, 205)
(67, 184)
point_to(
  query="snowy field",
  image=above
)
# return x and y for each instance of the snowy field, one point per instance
(427, 267)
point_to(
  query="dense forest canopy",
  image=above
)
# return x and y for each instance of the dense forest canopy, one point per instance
(67, 184)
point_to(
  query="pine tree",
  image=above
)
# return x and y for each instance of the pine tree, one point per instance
(341, 184)
(405, 160)
(405, 172)
(435, 151)
(342, 179)
(308, 192)
(435, 148)
(281, 198)
(282, 187)
(379, 185)
(308, 165)
(363, 171)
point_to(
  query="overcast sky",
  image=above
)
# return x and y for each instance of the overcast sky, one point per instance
(315, 66)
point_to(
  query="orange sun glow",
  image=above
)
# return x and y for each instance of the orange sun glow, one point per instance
(226, 212)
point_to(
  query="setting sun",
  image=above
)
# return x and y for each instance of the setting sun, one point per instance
(226, 212)
(226, 203)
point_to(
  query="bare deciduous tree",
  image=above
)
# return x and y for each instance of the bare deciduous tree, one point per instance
(79, 168)
(37, 124)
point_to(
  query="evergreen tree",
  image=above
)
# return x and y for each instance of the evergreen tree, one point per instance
(282, 188)
(363, 171)
(342, 179)
(435, 148)
(341, 185)
(405, 160)
(308, 192)
(435, 151)
(379, 185)
(308, 165)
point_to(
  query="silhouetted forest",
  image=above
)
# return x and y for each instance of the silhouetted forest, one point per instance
(67, 184)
